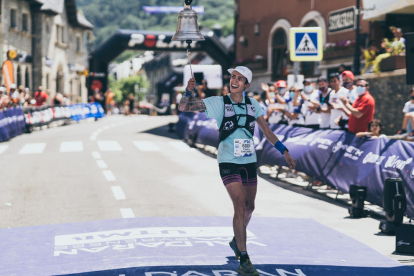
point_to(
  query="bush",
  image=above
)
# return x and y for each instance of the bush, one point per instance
(122, 88)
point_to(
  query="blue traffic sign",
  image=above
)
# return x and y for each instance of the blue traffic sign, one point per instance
(306, 44)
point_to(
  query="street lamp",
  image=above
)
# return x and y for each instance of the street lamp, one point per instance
(357, 52)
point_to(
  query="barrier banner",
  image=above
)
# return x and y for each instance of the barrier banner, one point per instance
(335, 157)
(40, 116)
(11, 123)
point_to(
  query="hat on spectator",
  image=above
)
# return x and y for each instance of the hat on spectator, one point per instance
(307, 80)
(348, 74)
(244, 71)
(12, 86)
(281, 83)
(322, 79)
(2, 89)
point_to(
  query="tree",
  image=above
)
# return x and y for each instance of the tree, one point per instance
(122, 88)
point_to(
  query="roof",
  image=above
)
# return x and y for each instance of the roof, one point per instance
(75, 16)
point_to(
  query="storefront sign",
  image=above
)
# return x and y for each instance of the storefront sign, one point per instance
(342, 20)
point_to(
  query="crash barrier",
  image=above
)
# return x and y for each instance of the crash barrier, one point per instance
(335, 157)
(11, 123)
(40, 116)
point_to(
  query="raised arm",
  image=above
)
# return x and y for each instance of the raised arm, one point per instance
(188, 102)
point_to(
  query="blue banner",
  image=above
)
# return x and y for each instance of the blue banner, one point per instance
(11, 123)
(335, 157)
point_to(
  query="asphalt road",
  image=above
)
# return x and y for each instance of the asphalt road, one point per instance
(121, 167)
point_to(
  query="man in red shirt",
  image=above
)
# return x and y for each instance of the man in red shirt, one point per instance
(40, 96)
(362, 111)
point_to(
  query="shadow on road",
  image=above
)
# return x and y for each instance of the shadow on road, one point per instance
(164, 131)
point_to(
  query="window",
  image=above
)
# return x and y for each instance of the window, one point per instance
(0, 9)
(26, 78)
(59, 34)
(279, 58)
(25, 25)
(62, 35)
(78, 44)
(13, 23)
(19, 76)
(47, 81)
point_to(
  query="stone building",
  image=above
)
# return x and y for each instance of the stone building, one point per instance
(51, 38)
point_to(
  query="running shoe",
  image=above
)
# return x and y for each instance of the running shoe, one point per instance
(401, 133)
(247, 269)
(233, 245)
(411, 136)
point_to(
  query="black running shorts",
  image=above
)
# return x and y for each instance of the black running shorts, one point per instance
(244, 173)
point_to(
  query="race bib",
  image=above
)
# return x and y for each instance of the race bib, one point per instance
(243, 147)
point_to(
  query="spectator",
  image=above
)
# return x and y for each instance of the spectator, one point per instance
(65, 99)
(363, 109)
(2, 97)
(131, 100)
(339, 118)
(57, 99)
(207, 91)
(224, 91)
(322, 105)
(263, 105)
(370, 54)
(24, 99)
(348, 80)
(309, 95)
(109, 101)
(199, 94)
(375, 129)
(293, 113)
(275, 109)
(341, 68)
(14, 94)
(40, 96)
(408, 111)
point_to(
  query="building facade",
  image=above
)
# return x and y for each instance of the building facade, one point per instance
(262, 34)
(51, 41)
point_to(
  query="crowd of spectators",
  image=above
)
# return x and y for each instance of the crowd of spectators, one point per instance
(23, 97)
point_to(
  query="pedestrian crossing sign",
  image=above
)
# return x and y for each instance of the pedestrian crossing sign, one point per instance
(306, 44)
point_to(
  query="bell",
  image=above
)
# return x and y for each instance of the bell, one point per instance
(187, 29)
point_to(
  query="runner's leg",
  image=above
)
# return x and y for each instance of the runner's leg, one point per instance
(237, 195)
(250, 193)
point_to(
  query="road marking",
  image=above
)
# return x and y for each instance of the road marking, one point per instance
(127, 213)
(109, 175)
(3, 148)
(33, 148)
(101, 164)
(109, 146)
(75, 146)
(180, 146)
(146, 146)
(96, 155)
(118, 193)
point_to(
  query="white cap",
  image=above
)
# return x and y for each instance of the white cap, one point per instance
(2, 89)
(244, 71)
(12, 86)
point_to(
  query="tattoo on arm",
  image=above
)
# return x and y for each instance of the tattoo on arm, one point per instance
(190, 104)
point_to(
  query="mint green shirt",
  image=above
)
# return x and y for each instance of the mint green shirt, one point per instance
(215, 110)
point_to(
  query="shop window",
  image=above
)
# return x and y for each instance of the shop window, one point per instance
(13, 22)
(26, 78)
(19, 77)
(279, 58)
(78, 44)
(25, 23)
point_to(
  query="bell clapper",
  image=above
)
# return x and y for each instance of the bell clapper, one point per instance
(188, 55)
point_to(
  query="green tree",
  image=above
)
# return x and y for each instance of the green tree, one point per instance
(122, 88)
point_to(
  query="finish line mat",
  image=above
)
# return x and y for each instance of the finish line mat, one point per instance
(187, 246)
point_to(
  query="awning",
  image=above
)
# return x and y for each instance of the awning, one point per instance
(376, 10)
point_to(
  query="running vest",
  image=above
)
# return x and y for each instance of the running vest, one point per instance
(231, 119)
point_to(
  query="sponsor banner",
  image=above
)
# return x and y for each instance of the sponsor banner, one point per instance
(11, 123)
(40, 116)
(335, 157)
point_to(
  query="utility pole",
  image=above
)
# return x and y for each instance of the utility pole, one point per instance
(357, 52)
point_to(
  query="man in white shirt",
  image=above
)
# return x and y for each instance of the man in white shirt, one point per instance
(321, 106)
(338, 116)
(307, 99)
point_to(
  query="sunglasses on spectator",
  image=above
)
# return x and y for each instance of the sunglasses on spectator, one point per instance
(233, 77)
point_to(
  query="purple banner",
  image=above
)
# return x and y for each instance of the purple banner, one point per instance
(335, 157)
(11, 123)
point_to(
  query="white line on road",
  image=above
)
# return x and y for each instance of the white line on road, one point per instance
(118, 193)
(109, 175)
(181, 146)
(75, 146)
(96, 155)
(127, 213)
(109, 146)
(146, 146)
(3, 148)
(33, 148)
(101, 164)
